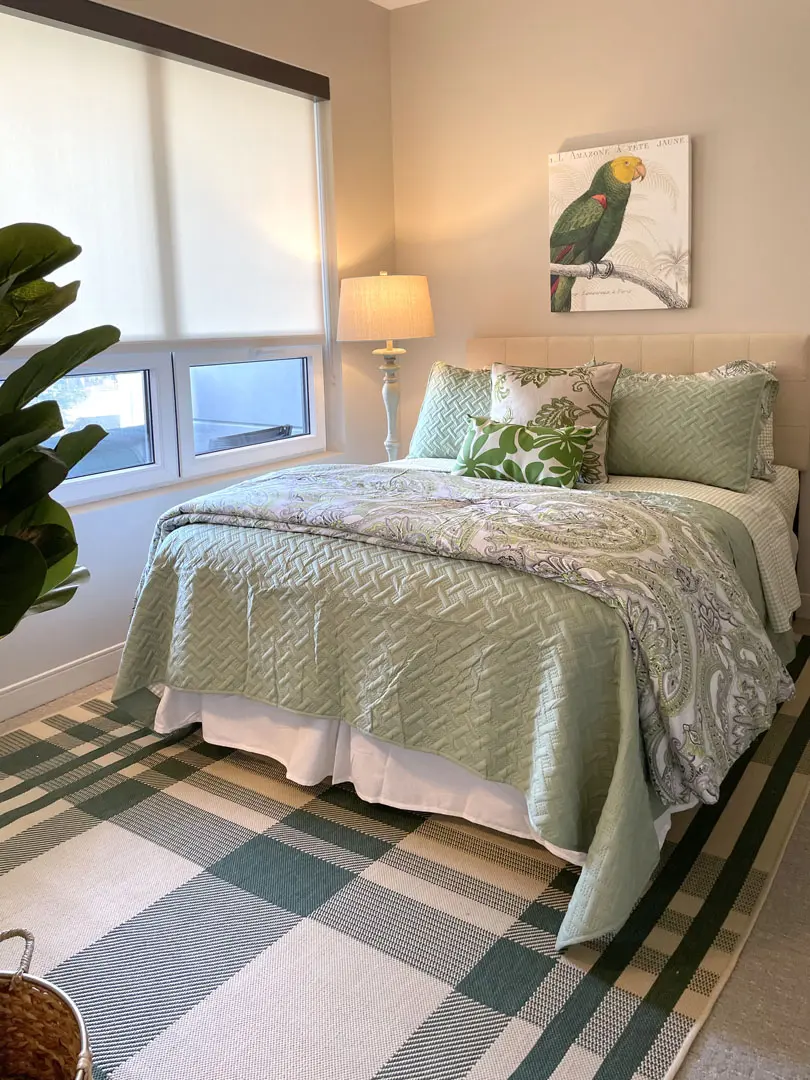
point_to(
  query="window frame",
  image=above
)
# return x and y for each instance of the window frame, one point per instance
(160, 400)
(195, 466)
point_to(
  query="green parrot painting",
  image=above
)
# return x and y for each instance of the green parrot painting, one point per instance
(589, 226)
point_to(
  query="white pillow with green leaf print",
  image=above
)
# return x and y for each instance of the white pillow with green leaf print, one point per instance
(523, 453)
(558, 397)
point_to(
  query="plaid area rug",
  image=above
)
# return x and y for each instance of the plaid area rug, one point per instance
(215, 922)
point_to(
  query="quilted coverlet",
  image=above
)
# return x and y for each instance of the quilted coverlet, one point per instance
(597, 651)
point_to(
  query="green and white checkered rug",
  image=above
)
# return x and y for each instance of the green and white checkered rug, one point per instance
(215, 922)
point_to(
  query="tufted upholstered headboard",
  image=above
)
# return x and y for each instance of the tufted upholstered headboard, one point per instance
(682, 354)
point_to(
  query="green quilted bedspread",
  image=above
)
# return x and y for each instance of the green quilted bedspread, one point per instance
(520, 678)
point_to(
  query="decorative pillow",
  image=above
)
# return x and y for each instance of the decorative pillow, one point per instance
(555, 397)
(451, 396)
(763, 467)
(527, 454)
(686, 428)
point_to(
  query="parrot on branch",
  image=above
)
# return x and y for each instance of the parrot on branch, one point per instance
(589, 226)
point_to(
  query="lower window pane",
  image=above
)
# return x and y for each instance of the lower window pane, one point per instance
(119, 401)
(245, 404)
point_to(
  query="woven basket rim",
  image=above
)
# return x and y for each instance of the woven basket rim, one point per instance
(44, 984)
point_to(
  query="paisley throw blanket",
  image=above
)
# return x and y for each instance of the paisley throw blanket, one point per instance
(708, 678)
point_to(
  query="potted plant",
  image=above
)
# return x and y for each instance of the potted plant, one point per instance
(38, 549)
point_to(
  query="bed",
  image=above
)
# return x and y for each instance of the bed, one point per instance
(458, 685)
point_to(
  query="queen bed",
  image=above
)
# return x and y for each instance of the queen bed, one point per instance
(382, 625)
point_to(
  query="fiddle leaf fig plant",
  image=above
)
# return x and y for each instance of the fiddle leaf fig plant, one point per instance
(38, 549)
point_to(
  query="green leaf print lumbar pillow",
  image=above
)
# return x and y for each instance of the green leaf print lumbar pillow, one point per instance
(523, 453)
(559, 397)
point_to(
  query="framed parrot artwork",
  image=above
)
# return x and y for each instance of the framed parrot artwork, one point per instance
(620, 226)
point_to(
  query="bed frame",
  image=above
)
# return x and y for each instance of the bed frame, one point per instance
(684, 354)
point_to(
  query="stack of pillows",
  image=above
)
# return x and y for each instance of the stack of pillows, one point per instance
(557, 426)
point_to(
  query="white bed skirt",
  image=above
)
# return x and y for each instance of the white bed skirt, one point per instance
(312, 748)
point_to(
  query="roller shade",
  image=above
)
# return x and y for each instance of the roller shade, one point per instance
(194, 193)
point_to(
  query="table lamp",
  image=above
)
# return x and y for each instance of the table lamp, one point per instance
(389, 308)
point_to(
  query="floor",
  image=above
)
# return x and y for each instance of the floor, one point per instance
(760, 1027)
(76, 698)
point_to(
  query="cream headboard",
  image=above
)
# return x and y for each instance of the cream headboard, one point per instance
(680, 354)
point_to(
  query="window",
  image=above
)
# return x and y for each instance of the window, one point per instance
(119, 401)
(197, 198)
(258, 401)
(189, 413)
(131, 395)
(239, 407)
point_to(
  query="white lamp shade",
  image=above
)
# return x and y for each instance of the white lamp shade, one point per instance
(385, 308)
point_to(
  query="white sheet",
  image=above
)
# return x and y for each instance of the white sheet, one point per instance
(312, 748)
(785, 491)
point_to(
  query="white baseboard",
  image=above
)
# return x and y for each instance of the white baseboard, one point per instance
(40, 689)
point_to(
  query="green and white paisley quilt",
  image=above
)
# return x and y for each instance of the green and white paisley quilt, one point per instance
(597, 651)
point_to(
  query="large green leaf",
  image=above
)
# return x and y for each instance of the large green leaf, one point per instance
(26, 308)
(76, 445)
(29, 251)
(53, 542)
(511, 469)
(17, 464)
(22, 573)
(492, 457)
(30, 485)
(80, 574)
(479, 442)
(49, 365)
(26, 428)
(55, 598)
(38, 548)
(485, 471)
(507, 438)
(525, 439)
(49, 512)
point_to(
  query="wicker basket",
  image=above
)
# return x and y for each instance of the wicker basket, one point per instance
(42, 1036)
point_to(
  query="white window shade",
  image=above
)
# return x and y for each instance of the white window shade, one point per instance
(194, 194)
(242, 162)
(77, 154)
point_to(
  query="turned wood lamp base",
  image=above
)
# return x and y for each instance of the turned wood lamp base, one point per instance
(390, 395)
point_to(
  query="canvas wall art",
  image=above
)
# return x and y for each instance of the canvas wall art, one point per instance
(620, 226)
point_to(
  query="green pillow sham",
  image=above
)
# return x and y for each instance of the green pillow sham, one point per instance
(763, 467)
(451, 396)
(523, 453)
(703, 430)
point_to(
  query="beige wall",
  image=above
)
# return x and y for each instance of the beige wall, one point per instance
(484, 90)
